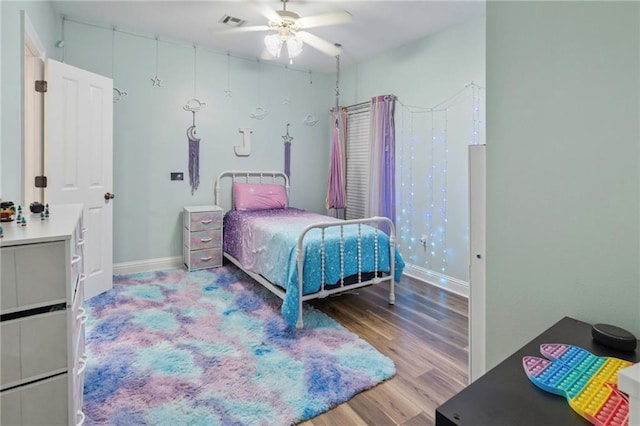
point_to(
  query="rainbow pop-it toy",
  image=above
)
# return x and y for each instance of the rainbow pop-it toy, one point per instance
(589, 382)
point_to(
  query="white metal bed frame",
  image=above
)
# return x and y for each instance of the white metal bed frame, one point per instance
(273, 177)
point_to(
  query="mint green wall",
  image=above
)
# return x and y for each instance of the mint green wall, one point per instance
(563, 168)
(425, 73)
(150, 125)
(44, 20)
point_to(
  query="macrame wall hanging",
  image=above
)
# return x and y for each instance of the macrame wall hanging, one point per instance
(194, 105)
(287, 152)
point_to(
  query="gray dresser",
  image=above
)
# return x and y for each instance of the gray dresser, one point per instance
(42, 319)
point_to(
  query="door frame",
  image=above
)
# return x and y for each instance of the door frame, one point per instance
(477, 260)
(33, 55)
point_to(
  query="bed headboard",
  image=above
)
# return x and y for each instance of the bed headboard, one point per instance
(245, 176)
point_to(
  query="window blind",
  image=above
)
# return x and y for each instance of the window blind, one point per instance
(357, 163)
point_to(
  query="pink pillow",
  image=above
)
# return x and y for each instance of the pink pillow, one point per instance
(259, 196)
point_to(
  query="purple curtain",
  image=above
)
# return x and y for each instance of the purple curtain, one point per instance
(382, 191)
(336, 196)
(287, 159)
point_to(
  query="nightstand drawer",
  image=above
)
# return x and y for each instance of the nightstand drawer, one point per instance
(199, 259)
(202, 239)
(205, 221)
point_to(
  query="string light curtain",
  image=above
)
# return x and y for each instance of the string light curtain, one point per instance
(382, 191)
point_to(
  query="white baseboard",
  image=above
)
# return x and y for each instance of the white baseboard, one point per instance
(147, 265)
(437, 279)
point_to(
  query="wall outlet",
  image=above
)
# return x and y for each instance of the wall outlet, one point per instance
(177, 176)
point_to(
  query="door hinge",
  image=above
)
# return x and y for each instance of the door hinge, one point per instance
(41, 86)
(41, 181)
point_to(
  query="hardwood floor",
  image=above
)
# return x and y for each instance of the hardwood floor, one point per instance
(424, 333)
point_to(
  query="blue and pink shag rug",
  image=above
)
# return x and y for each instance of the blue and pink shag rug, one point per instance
(210, 348)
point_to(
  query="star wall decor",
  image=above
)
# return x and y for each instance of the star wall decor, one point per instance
(287, 138)
(156, 81)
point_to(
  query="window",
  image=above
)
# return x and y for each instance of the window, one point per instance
(357, 162)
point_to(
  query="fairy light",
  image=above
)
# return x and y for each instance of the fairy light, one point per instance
(476, 114)
(411, 192)
(444, 189)
(423, 168)
(401, 216)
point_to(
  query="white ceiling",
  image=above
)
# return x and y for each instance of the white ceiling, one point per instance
(377, 26)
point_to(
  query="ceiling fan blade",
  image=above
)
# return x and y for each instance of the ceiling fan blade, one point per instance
(268, 12)
(335, 18)
(236, 30)
(318, 43)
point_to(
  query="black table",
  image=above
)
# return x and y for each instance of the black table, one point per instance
(505, 396)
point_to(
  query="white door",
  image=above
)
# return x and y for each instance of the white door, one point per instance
(477, 265)
(79, 160)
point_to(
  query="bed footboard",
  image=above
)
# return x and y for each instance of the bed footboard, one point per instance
(361, 280)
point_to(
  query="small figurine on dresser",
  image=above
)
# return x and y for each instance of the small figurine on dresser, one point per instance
(36, 207)
(7, 211)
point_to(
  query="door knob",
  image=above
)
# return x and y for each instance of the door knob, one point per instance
(109, 196)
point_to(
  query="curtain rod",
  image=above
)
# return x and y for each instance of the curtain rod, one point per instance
(353, 107)
(365, 104)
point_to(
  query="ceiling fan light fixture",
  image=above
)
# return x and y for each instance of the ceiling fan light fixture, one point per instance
(273, 43)
(294, 46)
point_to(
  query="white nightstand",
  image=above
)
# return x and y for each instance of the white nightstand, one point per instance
(202, 237)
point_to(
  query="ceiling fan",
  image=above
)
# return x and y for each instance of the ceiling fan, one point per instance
(288, 29)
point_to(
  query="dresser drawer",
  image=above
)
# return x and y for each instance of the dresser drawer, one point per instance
(205, 221)
(33, 275)
(33, 346)
(199, 259)
(202, 239)
(39, 403)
